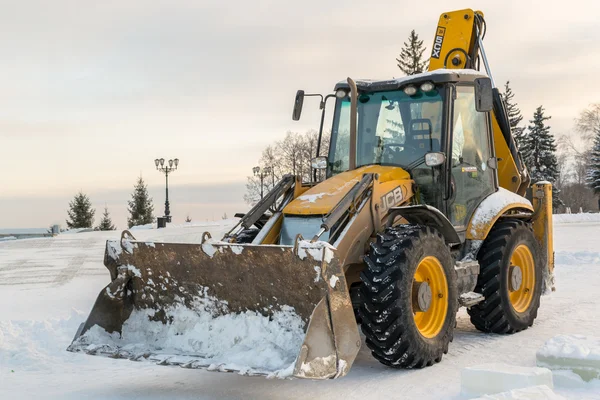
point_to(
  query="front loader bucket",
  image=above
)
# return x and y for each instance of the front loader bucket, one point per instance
(256, 309)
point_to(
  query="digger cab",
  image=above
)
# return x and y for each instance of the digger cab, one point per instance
(435, 125)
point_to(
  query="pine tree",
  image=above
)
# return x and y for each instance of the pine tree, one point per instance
(411, 60)
(106, 223)
(539, 153)
(514, 114)
(81, 214)
(140, 206)
(593, 172)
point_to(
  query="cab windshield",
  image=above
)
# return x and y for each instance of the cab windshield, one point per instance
(393, 128)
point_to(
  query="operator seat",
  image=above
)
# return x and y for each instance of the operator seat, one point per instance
(419, 140)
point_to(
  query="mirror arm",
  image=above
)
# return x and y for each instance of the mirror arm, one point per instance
(318, 153)
(353, 122)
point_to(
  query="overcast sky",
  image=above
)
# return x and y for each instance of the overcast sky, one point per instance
(92, 92)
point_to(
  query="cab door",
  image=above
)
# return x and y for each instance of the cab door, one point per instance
(471, 178)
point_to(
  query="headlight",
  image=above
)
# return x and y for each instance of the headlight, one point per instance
(427, 86)
(410, 90)
(341, 93)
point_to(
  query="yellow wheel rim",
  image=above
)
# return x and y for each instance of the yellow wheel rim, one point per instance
(521, 278)
(430, 322)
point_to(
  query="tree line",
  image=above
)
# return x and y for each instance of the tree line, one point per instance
(140, 209)
(572, 168)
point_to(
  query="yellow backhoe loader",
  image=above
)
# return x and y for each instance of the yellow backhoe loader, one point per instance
(421, 211)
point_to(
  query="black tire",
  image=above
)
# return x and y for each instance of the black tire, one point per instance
(496, 314)
(386, 311)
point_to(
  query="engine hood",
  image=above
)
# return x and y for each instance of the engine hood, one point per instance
(321, 199)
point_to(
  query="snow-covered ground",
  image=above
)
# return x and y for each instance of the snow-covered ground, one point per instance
(48, 286)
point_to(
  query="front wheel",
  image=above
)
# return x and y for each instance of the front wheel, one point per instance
(409, 297)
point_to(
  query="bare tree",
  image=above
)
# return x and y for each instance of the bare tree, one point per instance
(291, 155)
(588, 123)
(576, 159)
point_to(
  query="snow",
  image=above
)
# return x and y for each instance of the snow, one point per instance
(311, 198)
(23, 231)
(48, 286)
(575, 218)
(578, 354)
(208, 248)
(318, 273)
(497, 377)
(7, 238)
(541, 392)
(249, 343)
(319, 250)
(237, 249)
(493, 205)
(142, 227)
(423, 76)
(333, 281)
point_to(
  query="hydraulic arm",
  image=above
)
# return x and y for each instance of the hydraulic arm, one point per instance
(458, 44)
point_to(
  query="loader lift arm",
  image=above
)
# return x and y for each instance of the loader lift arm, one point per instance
(458, 44)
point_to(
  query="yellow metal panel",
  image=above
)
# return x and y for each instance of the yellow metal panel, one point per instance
(454, 30)
(273, 235)
(508, 174)
(542, 227)
(321, 199)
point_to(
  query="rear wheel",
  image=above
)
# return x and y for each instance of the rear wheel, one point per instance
(510, 279)
(409, 297)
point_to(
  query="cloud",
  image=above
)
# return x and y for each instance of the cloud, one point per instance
(92, 92)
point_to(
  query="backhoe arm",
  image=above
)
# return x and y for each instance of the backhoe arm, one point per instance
(458, 44)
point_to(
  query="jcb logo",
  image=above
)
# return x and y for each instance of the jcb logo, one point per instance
(391, 198)
(437, 43)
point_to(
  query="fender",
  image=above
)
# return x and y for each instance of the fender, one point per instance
(492, 208)
(429, 216)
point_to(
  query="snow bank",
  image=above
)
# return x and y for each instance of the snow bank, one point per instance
(142, 227)
(36, 345)
(541, 392)
(496, 378)
(206, 336)
(7, 238)
(576, 353)
(577, 257)
(575, 218)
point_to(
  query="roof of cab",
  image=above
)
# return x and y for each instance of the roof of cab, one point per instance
(436, 76)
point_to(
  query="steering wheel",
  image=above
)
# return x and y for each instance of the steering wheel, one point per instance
(415, 150)
(404, 145)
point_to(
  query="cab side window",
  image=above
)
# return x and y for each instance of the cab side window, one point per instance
(472, 179)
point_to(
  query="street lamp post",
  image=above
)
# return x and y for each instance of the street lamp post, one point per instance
(166, 169)
(261, 174)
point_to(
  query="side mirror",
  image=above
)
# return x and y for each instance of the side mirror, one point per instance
(319, 162)
(435, 159)
(298, 102)
(484, 100)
